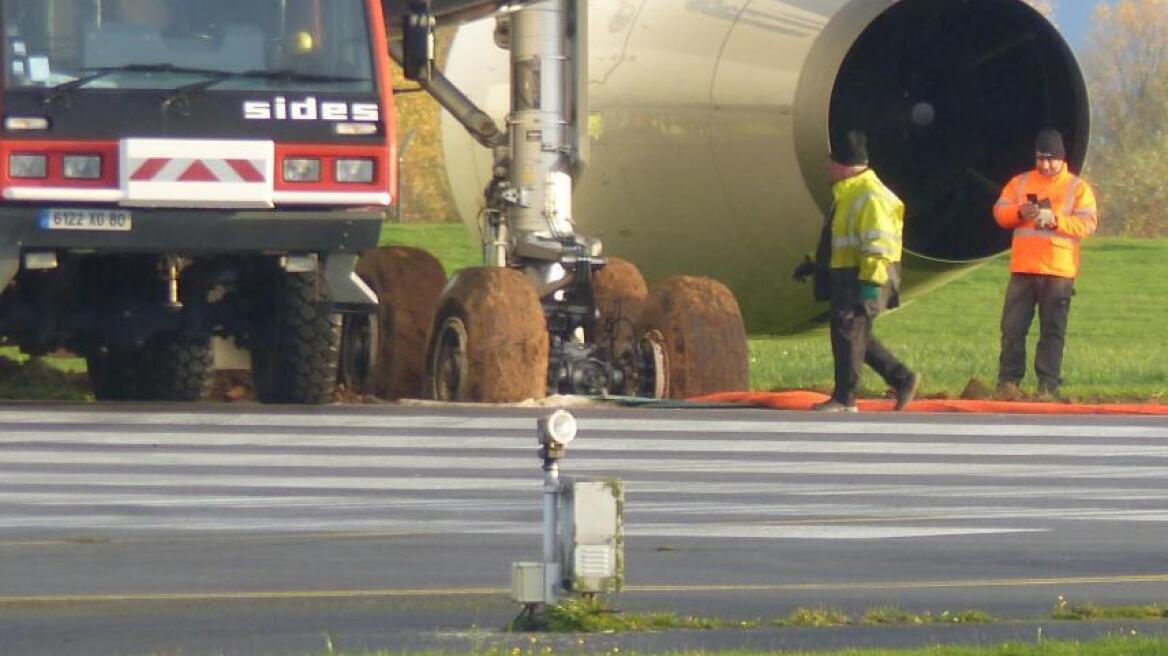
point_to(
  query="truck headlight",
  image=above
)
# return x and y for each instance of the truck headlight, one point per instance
(355, 170)
(82, 167)
(28, 166)
(301, 169)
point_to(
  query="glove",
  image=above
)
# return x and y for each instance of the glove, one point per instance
(870, 299)
(1028, 211)
(1046, 219)
(805, 270)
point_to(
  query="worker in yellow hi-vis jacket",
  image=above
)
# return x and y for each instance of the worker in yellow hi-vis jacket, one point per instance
(863, 240)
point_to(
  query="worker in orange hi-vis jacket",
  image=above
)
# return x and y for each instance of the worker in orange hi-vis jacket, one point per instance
(1050, 210)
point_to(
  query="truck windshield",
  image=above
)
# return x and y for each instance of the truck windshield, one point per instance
(313, 45)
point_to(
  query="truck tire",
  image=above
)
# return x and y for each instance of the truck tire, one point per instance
(699, 327)
(407, 282)
(489, 342)
(116, 374)
(295, 358)
(179, 369)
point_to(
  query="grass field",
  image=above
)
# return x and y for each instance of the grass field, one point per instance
(1114, 350)
(1117, 646)
(951, 336)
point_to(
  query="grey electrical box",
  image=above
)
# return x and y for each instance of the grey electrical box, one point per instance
(592, 536)
(534, 583)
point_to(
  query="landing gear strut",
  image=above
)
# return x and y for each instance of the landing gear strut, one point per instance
(589, 306)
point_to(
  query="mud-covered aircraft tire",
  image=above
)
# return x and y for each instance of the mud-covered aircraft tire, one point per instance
(700, 328)
(489, 341)
(295, 361)
(619, 291)
(180, 368)
(407, 282)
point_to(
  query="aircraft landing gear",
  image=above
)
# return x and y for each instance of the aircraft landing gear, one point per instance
(587, 309)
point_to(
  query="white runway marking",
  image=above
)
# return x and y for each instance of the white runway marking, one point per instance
(631, 426)
(252, 472)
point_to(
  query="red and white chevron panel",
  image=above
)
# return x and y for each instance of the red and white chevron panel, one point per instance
(197, 173)
(165, 169)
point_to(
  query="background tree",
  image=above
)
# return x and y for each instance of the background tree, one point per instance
(1045, 7)
(1126, 60)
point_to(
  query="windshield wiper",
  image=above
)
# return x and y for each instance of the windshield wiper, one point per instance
(184, 93)
(62, 90)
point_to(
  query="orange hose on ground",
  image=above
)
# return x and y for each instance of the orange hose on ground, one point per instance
(804, 399)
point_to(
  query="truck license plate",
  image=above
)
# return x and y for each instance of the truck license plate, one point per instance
(81, 219)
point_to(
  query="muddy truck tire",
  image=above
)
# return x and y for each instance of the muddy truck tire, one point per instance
(294, 360)
(489, 342)
(699, 325)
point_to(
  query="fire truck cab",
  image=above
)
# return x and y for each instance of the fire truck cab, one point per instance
(173, 171)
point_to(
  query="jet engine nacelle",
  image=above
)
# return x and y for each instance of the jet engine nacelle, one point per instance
(709, 123)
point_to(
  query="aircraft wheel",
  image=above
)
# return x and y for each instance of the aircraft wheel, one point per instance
(698, 326)
(384, 354)
(295, 359)
(619, 290)
(489, 342)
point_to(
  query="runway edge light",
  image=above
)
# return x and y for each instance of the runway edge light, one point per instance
(583, 528)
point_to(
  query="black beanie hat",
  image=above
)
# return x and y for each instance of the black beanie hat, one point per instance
(1050, 144)
(850, 148)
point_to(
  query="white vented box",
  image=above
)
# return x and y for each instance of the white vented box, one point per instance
(592, 536)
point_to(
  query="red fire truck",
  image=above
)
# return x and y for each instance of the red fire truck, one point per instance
(175, 171)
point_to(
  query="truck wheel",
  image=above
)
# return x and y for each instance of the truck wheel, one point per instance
(619, 291)
(489, 342)
(697, 324)
(294, 359)
(179, 369)
(115, 374)
(407, 282)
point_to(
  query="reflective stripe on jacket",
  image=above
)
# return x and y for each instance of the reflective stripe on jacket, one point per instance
(866, 227)
(1048, 252)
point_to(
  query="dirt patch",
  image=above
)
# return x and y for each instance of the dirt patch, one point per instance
(977, 390)
(231, 385)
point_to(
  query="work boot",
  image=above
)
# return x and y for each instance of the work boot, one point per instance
(907, 391)
(1008, 390)
(831, 405)
(1050, 394)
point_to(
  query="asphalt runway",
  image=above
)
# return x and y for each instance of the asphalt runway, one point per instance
(136, 529)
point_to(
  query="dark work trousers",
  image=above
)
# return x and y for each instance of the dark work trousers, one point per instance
(1052, 295)
(852, 343)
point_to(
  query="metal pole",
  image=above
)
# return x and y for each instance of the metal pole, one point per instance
(551, 494)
